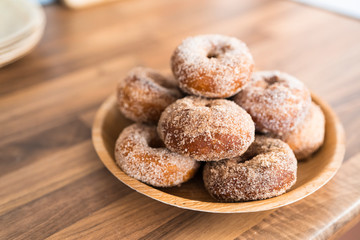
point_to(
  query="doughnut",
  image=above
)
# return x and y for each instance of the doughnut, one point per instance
(276, 101)
(309, 135)
(267, 169)
(144, 94)
(213, 66)
(140, 154)
(205, 129)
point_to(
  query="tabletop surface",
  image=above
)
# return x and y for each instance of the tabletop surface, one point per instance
(52, 184)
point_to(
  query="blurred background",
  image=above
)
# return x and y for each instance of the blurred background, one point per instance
(79, 49)
(22, 22)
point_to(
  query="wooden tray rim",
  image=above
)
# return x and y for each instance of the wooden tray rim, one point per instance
(217, 207)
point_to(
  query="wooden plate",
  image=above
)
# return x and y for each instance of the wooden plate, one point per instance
(312, 174)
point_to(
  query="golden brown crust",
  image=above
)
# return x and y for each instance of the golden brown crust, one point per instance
(139, 154)
(207, 130)
(214, 66)
(276, 101)
(267, 169)
(309, 135)
(144, 94)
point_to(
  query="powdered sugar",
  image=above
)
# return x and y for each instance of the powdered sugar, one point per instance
(206, 130)
(266, 170)
(309, 135)
(144, 94)
(212, 65)
(276, 101)
(156, 166)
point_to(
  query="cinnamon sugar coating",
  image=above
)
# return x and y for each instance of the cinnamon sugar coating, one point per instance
(267, 169)
(206, 130)
(309, 135)
(140, 154)
(214, 66)
(144, 94)
(276, 101)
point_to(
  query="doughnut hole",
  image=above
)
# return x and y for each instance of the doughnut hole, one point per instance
(213, 66)
(139, 153)
(206, 130)
(276, 101)
(266, 170)
(217, 52)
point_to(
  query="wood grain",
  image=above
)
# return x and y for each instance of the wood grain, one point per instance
(53, 185)
(318, 216)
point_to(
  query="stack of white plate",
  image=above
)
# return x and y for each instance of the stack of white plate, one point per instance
(22, 24)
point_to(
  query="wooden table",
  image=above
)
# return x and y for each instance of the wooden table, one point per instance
(53, 185)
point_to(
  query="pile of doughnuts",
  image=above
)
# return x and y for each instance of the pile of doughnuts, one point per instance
(249, 129)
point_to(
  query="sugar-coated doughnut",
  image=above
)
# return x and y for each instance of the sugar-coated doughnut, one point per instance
(214, 66)
(140, 154)
(205, 129)
(267, 169)
(309, 135)
(144, 94)
(276, 101)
